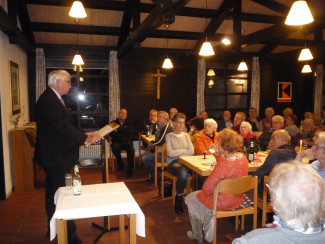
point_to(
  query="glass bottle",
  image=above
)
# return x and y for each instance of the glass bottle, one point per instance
(76, 181)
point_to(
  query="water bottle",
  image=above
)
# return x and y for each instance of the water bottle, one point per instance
(76, 181)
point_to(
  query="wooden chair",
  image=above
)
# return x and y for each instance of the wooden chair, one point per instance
(165, 173)
(158, 164)
(141, 147)
(235, 186)
(111, 155)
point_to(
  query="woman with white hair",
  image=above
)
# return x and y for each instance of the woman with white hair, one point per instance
(208, 137)
(298, 200)
(306, 134)
(317, 153)
(248, 137)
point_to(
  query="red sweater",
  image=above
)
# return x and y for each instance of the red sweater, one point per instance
(224, 169)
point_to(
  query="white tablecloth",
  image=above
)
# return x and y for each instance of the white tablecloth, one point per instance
(95, 201)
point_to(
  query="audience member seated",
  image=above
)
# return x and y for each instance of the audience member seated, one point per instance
(265, 137)
(122, 139)
(150, 124)
(306, 134)
(317, 120)
(281, 151)
(204, 115)
(256, 123)
(196, 129)
(239, 117)
(248, 137)
(172, 112)
(200, 203)
(226, 122)
(317, 153)
(267, 121)
(323, 118)
(208, 137)
(149, 157)
(291, 127)
(287, 111)
(178, 144)
(298, 198)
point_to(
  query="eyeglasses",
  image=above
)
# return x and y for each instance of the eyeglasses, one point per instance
(180, 123)
(276, 122)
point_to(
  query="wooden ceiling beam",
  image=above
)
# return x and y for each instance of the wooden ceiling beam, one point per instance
(16, 36)
(24, 20)
(150, 24)
(274, 5)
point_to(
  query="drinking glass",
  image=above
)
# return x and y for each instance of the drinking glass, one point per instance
(204, 154)
(213, 148)
(68, 181)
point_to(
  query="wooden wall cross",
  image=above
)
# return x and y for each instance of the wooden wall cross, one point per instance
(158, 76)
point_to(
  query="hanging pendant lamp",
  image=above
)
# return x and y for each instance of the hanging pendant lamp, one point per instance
(299, 14)
(167, 62)
(77, 10)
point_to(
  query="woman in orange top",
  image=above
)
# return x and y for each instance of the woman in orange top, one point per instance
(208, 137)
(230, 164)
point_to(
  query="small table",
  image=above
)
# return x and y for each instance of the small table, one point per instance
(147, 139)
(96, 201)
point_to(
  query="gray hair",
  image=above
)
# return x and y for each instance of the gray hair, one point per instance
(269, 109)
(242, 114)
(57, 75)
(165, 114)
(211, 122)
(297, 192)
(247, 124)
(279, 118)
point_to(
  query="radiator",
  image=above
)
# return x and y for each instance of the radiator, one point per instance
(92, 151)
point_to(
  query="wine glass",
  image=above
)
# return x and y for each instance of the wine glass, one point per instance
(213, 148)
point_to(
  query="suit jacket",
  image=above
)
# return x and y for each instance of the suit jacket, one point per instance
(123, 134)
(58, 138)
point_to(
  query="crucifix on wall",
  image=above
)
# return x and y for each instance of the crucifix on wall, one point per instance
(158, 75)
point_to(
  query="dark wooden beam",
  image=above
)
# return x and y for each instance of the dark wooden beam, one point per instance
(274, 5)
(8, 26)
(150, 24)
(237, 29)
(25, 20)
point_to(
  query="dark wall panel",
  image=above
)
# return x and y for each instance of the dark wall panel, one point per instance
(139, 89)
(286, 69)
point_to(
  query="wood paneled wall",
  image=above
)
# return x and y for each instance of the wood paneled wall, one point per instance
(139, 89)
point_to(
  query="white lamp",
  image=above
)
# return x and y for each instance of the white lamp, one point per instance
(242, 66)
(226, 41)
(306, 69)
(299, 14)
(211, 83)
(305, 54)
(77, 10)
(211, 72)
(167, 63)
(206, 49)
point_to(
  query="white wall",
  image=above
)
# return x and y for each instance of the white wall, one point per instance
(16, 54)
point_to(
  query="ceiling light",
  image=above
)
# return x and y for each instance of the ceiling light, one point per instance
(77, 60)
(305, 54)
(226, 41)
(211, 72)
(306, 69)
(299, 14)
(242, 66)
(167, 62)
(211, 83)
(77, 10)
(206, 48)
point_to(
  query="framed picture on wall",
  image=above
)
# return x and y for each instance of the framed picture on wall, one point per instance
(284, 92)
(14, 82)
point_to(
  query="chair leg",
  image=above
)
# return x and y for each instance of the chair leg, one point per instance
(174, 191)
(162, 185)
(215, 232)
(263, 218)
(242, 222)
(156, 176)
(236, 222)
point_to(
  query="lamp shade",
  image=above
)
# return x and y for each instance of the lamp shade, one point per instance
(211, 72)
(299, 14)
(305, 54)
(77, 60)
(306, 69)
(77, 10)
(206, 49)
(167, 64)
(242, 66)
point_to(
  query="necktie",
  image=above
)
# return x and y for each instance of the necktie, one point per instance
(62, 101)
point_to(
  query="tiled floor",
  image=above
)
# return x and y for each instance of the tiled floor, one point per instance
(23, 218)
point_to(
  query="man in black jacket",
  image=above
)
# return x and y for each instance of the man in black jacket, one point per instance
(149, 159)
(57, 141)
(282, 151)
(122, 139)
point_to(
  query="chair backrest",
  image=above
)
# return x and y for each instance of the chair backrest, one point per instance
(162, 150)
(236, 186)
(31, 136)
(265, 191)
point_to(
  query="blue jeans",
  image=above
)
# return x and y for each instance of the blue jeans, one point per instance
(181, 172)
(148, 160)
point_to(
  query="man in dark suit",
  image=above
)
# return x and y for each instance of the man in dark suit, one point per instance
(58, 140)
(226, 122)
(122, 139)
